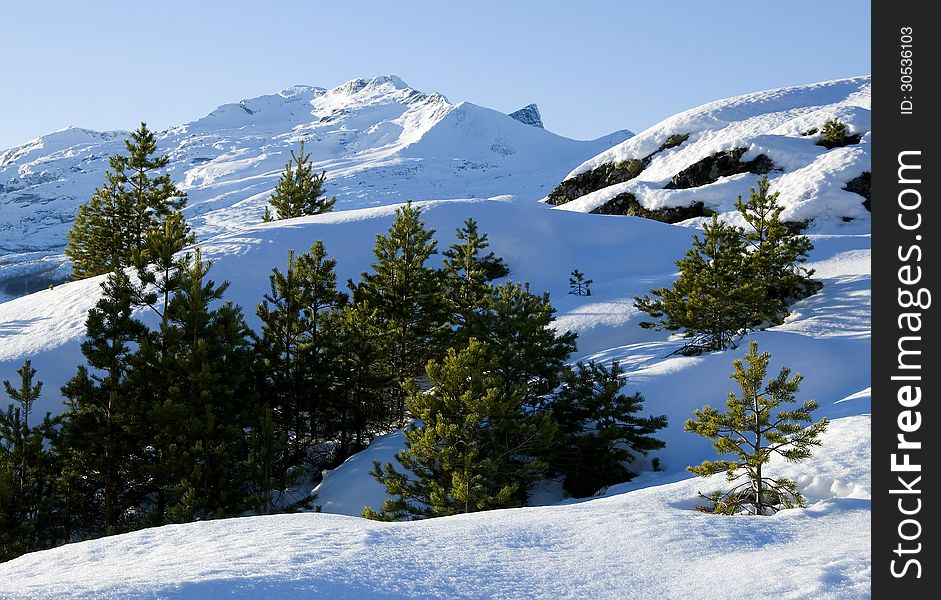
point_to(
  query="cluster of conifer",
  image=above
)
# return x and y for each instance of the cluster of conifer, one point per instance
(181, 412)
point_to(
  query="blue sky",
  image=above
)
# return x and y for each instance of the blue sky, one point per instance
(592, 67)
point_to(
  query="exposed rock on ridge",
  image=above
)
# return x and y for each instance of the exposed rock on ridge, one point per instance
(528, 115)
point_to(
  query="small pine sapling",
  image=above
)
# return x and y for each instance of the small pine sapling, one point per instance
(578, 285)
(752, 433)
(834, 134)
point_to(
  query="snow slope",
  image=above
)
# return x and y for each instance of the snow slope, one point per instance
(641, 539)
(648, 543)
(775, 123)
(379, 140)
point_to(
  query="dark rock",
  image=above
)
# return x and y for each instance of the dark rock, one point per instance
(591, 181)
(673, 141)
(528, 115)
(796, 227)
(607, 174)
(862, 185)
(626, 204)
(720, 164)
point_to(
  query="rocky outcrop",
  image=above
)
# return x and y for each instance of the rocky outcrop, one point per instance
(608, 174)
(862, 185)
(626, 204)
(672, 142)
(528, 115)
(720, 164)
(591, 181)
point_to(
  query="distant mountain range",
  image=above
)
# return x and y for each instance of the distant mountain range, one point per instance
(379, 140)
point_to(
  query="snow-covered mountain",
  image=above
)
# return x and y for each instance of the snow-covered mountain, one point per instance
(699, 161)
(379, 141)
(641, 539)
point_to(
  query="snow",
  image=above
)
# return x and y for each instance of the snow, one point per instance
(775, 123)
(640, 539)
(380, 142)
(647, 543)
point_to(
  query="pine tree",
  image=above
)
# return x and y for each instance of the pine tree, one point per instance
(95, 241)
(132, 202)
(518, 327)
(776, 254)
(753, 432)
(151, 198)
(529, 362)
(456, 459)
(715, 298)
(407, 298)
(834, 134)
(297, 349)
(27, 471)
(99, 433)
(578, 285)
(271, 488)
(599, 429)
(203, 412)
(360, 409)
(299, 191)
(467, 277)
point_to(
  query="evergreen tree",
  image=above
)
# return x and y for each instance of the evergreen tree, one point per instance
(156, 262)
(776, 254)
(517, 325)
(578, 285)
(834, 134)
(132, 202)
(528, 363)
(202, 415)
(599, 429)
(467, 276)
(752, 432)
(151, 198)
(469, 270)
(715, 298)
(360, 409)
(268, 482)
(27, 471)
(297, 349)
(299, 191)
(284, 368)
(102, 422)
(407, 298)
(96, 243)
(456, 458)
(733, 280)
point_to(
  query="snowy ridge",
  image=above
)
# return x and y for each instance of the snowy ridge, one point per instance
(367, 134)
(775, 123)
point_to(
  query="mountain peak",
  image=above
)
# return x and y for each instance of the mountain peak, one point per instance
(382, 82)
(529, 115)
